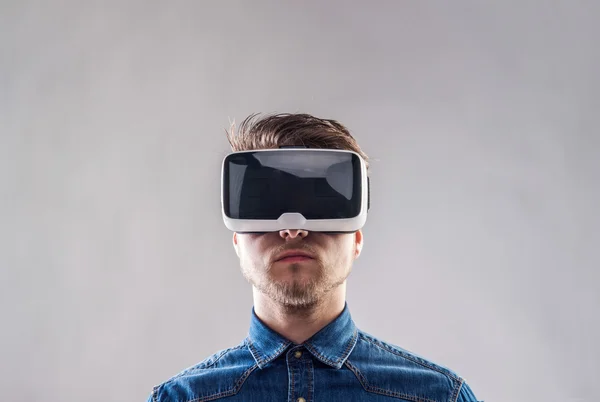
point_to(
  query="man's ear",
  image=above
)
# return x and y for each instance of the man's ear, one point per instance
(358, 242)
(236, 245)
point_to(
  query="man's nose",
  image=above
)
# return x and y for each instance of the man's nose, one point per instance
(293, 233)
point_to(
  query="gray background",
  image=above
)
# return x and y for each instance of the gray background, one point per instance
(481, 119)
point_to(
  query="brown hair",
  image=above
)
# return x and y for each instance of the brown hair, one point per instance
(286, 129)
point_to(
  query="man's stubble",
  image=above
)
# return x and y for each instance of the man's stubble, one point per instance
(296, 293)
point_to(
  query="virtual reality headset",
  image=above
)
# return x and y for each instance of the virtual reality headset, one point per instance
(315, 189)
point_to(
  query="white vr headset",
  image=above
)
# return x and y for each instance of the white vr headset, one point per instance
(315, 189)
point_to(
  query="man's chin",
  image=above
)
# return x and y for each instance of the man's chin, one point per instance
(294, 293)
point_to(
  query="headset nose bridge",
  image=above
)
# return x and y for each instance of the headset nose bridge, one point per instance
(291, 220)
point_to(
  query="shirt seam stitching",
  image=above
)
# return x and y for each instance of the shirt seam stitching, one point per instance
(411, 358)
(382, 391)
(232, 391)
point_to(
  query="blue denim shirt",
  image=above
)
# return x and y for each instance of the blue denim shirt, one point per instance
(338, 363)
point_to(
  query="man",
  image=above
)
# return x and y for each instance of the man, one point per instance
(303, 344)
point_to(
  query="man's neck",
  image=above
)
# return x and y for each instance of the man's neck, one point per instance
(299, 324)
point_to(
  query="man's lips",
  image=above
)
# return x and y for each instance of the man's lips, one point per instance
(294, 256)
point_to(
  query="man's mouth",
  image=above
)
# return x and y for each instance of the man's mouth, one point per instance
(294, 256)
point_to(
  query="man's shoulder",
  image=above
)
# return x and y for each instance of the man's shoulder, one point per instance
(220, 374)
(386, 351)
(385, 368)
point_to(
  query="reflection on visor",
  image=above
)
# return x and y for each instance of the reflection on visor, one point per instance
(319, 185)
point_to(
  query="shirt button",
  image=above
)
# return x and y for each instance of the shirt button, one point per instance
(298, 354)
(301, 399)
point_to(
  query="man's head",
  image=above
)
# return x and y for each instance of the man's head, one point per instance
(295, 282)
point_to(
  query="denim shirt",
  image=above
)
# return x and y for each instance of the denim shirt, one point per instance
(338, 363)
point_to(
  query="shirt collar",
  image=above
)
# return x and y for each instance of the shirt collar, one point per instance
(332, 344)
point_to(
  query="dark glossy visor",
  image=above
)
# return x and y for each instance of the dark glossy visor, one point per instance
(318, 184)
